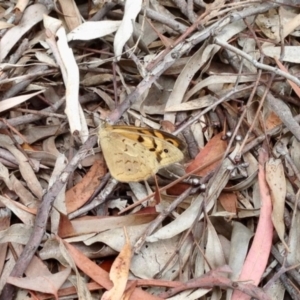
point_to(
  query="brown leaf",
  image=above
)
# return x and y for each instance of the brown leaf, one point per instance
(119, 272)
(228, 201)
(45, 284)
(81, 192)
(215, 147)
(100, 276)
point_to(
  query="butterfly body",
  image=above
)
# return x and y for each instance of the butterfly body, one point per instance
(133, 154)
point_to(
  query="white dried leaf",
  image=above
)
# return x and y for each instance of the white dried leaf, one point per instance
(291, 53)
(188, 295)
(276, 180)
(4, 175)
(93, 30)
(293, 256)
(16, 233)
(32, 15)
(193, 104)
(14, 101)
(117, 203)
(5, 25)
(240, 239)
(132, 8)
(59, 202)
(114, 238)
(26, 217)
(155, 255)
(45, 58)
(180, 224)
(214, 252)
(52, 24)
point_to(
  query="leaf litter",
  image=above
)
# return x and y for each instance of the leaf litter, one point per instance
(223, 77)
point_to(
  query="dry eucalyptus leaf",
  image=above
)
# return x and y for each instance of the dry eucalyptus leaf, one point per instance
(93, 30)
(25, 168)
(132, 8)
(32, 15)
(45, 284)
(17, 233)
(14, 101)
(276, 181)
(119, 272)
(4, 175)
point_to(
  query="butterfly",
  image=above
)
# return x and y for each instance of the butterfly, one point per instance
(133, 153)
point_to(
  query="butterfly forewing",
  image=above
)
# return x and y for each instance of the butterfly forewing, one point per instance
(166, 147)
(165, 136)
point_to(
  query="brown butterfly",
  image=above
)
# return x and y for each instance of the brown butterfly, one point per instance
(133, 153)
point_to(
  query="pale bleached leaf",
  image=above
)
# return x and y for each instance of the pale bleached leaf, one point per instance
(155, 255)
(4, 175)
(214, 252)
(181, 223)
(16, 233)
(32, 15)
(14, 101)
(5, 25)
(43, 57)
(132, 8)
(291, 53)
(93, 30)
(276, 181)
(119, 272)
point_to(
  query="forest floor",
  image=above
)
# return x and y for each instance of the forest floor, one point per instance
(149, 149)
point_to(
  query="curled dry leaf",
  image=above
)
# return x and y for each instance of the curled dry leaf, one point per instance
(132, 8)
(45, 284)
(119, 272)
(25, 168)
(213, 149)
(80, 193)
(32, 15)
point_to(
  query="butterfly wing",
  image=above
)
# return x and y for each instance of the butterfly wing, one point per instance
(127, 160)
(166, 147)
